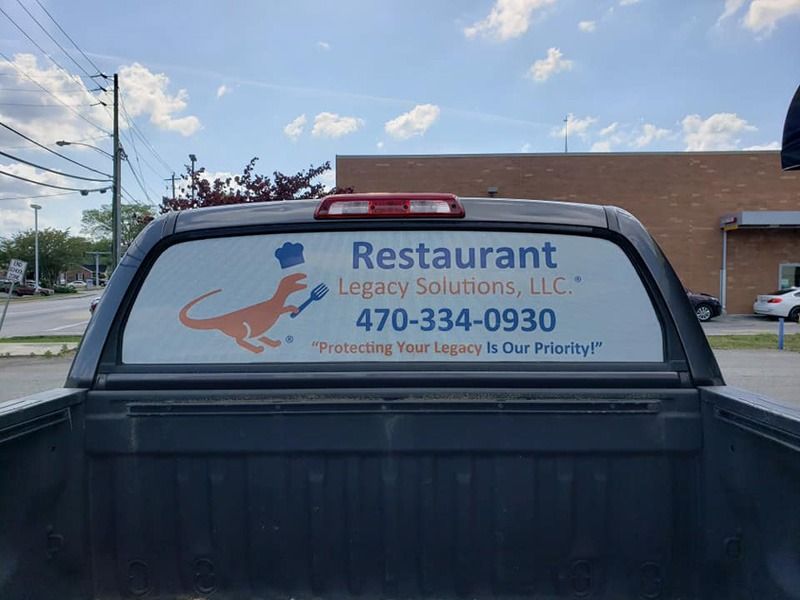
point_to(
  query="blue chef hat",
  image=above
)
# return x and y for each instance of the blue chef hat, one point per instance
(290, 255)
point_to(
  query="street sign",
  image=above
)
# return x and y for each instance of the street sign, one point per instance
(15, 274)
(16, 270)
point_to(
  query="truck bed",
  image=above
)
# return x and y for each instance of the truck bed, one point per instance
(420, 495)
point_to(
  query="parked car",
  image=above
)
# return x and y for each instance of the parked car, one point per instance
(78, 285)
(93, 305)
(26, 289)
(705, 306)
(780, 303)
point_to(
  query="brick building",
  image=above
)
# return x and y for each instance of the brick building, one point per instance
(694, 203)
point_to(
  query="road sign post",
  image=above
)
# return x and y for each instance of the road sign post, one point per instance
(15, 274)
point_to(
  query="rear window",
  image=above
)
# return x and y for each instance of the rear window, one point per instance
(781, 292)
(399, 296)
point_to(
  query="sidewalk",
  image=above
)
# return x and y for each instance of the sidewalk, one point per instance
(746, 325)
(22, 349)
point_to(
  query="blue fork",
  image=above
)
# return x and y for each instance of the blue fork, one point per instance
(318, 293)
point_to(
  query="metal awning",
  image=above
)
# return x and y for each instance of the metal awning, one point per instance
(759, 219)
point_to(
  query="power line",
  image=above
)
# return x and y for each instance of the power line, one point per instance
(82, 91)
(138, 162)
(28, 146)
(34, 105)
(150, 147)
(51, 151)
(27, 162)
(91, 62)
(139, 159)
(139, 181)
(33, 41)
(145, 141)
(79, 114)
(38, 196)
(45, 76)
(55, 41)
(50, 185)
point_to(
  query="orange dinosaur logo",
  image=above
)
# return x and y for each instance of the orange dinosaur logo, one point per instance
(250, 324)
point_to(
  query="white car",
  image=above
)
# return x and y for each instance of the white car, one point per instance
(783, 303)
(78, 285)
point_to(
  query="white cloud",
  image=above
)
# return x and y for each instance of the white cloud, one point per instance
(526, 147)
(650, 133)
(609, 130)
(415, 122)
(146, 93)
(577, 126)
(294, 129)
(770, 146)
(184, 185)
(545, 68)
(328, 178)
(731, 8)
(628, 2)
(213, 175)
(603, 146)
(56, 121)
(763, 15)
(717, 132)
(332, 125)
(323, 45)
(16, 214)
(612, 136)
(222, 90)
(508, 19)
(379, 145)
(587, 26)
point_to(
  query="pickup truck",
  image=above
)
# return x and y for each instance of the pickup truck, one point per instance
(397, 396)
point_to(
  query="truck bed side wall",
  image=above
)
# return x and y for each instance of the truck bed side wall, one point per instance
(751, 495)
(43, 544)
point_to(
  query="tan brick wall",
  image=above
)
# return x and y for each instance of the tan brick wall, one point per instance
(678, 196)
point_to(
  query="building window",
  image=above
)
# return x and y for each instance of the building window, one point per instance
(789, 275)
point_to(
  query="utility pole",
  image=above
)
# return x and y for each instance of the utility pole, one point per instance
(97, 266)
(173, 185)
(36, 208)
(566, 133)
(192, 158)
(116, 204)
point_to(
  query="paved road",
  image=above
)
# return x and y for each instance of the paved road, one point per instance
(48, 316)
(23, 376)
(769, 372)
(772, 373)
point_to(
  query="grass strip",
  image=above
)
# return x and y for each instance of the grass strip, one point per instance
(758, 341)
(41, 339)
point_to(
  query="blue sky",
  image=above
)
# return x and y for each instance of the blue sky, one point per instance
(298, 82)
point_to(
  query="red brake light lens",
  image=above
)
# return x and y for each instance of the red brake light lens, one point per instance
(383, 206)
(774, 300)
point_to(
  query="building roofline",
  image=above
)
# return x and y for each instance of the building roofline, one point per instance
(552, 154)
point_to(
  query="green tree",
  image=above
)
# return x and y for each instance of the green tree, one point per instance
(58, 251)
(96, 222)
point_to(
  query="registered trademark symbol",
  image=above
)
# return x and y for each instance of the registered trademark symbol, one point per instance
(289, 339)
(578, 278)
